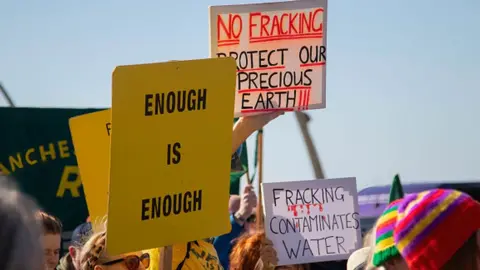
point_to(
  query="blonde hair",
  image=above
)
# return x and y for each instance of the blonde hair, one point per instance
(367, 239)
(93, 251)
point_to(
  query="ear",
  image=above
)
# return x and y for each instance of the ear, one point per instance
(72, 251)
(98, 267)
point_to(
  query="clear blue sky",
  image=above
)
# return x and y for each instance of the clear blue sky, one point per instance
(403, 83)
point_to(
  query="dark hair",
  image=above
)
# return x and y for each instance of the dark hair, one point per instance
(50, 224)
(466, 257)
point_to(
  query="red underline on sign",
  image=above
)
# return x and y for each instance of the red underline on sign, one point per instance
(285, 37)
(267, 110)
(313, 64)
(229, 42)
(274, 89)
(260, 69)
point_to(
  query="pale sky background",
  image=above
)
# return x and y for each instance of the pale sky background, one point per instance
(403, 83)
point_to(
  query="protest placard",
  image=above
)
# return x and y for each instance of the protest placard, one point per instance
(162, 189)
(280, 50)
(312, 221)
(91, 139)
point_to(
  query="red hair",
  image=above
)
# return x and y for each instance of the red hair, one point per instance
(246, 252)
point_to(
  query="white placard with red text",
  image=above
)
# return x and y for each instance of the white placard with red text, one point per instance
(280, 49)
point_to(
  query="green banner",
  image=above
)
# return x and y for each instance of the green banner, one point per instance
(37, 150)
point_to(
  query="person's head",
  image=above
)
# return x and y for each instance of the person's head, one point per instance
(438, 229)
(94, 256)
(367, 238)
(52, 238)
(246, 254)
(66, 263)
(468, 256)
(80, 236)
(385, 253)
(368, 242)
(20, 244)
(358, 259)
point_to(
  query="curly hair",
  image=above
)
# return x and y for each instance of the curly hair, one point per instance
(246, 252)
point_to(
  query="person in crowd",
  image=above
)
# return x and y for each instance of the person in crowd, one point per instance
(201, 254)
(361, 258)
(20, 233)
(52, 231)
(439, 229)
(367, 238)
(154, 263)
(80, 236)
(66, 263)
(241, 209)
(385, 253)
(253, 251)
(94, 256)
(358, 260)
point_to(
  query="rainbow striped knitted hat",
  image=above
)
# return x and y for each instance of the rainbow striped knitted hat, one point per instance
(384, 243)
(432, 225)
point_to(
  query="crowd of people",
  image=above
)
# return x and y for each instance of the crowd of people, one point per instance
(435, 229)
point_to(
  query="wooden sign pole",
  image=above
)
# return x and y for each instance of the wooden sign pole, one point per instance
(259, 213)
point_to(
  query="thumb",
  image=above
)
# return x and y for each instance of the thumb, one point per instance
(247, 189)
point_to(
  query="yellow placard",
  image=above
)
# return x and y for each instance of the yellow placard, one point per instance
(170, 153)
(91, 139)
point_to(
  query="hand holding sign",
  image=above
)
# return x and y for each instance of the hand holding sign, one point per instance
(256, 122)
(268, 256)
(247, 204)
(245, 126)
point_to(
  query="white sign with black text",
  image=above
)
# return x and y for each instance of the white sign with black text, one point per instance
(312, 221)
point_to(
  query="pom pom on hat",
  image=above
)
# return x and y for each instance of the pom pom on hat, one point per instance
(432, 225)
(385, 248)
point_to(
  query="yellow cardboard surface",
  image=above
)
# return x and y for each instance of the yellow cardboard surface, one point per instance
(140, 176)
(91, 139)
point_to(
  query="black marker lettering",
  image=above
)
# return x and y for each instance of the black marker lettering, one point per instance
(145, 209)
(108, 126)
(175, 102)
(275, 198)
(173, 153)
(176, 204)
(290, 251)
